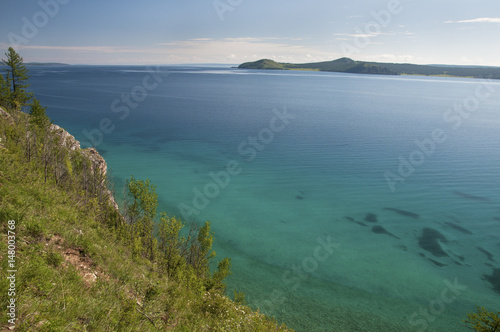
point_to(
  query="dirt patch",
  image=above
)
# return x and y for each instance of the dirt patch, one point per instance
(77, 258)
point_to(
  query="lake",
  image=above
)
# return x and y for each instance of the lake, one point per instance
(346, 202)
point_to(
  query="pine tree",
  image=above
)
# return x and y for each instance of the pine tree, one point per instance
(17, 77)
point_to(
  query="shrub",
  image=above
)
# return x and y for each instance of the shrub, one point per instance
(483, 320)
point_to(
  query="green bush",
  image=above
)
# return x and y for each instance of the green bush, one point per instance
(483, 320)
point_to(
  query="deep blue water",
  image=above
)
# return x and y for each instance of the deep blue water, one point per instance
(346, 202)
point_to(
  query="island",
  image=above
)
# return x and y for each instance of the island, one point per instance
(347, 65)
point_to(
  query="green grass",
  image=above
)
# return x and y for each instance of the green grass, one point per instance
(76, 273)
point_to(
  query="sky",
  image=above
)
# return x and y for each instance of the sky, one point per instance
(131, 32)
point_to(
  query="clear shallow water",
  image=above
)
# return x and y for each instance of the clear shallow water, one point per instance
(318, 177)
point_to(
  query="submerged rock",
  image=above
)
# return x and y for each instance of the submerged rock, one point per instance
(370, 217)
(382, 230)
(494, 280)
(429, 241)
(436, 262)
(357, 222)
(487, 253)
(458, 228)
(403, 213)
(471, 197)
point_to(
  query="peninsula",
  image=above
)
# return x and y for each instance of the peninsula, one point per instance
(347, 65)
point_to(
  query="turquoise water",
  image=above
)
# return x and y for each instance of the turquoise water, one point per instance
(346, 202)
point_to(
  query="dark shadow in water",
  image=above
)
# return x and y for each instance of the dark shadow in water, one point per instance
(370, 217)
(300, 195)
(458, 228)
(434, 261)
(437, 263)
(487, 253)
(403, 213)
(494, 279)
(357, 222)
(429, 240)
(382, 230)
(471, 197)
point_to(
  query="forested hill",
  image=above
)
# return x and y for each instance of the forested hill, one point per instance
(346, 65)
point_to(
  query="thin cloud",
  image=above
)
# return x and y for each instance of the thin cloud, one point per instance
(93, 49)
(478, 20)
(196, 50)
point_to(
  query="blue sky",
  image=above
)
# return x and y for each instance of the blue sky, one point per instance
(235, 31)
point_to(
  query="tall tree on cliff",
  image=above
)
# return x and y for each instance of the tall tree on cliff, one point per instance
(17, 77)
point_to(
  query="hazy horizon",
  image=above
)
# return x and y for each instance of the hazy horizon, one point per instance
(237, 31)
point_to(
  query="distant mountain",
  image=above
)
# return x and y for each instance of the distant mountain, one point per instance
(46, 64)
(346, 65)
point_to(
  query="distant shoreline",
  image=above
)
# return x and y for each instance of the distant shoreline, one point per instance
(347, 65)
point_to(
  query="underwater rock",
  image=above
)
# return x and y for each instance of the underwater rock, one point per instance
(404, 248)
(471, 197)
(458, 228)
(403, 213)
(429, 241)
(494, 280)
(370, 217)
(487, 253)
(382, 230)
(299, 194)
(357, 222)
(436, 262)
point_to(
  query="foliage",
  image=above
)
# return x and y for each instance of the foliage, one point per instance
(262, 64)
(346, 65)
(141, 214)
(483, 320)
(4, 92)
(17, 77)
(38, 116)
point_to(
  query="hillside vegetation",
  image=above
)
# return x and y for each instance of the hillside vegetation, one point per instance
(81, 265)
(346, 65)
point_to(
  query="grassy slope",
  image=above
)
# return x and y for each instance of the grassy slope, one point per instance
(76, 274)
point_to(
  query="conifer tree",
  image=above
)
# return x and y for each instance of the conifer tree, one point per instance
(17, 77)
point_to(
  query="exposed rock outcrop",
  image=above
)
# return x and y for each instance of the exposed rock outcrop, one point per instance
(6, 116)
(96, 160)
(67, 140)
